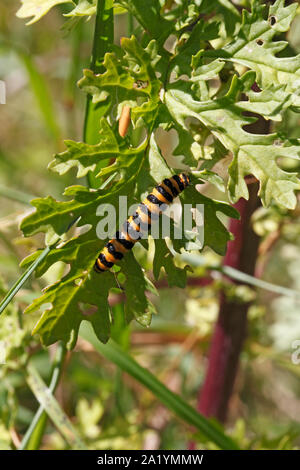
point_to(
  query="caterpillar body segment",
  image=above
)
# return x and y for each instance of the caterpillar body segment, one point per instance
(147, 211)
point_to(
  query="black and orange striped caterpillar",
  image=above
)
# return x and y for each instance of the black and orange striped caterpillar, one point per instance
(161, 196)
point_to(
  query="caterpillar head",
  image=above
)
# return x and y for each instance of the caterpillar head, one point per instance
(185, 179)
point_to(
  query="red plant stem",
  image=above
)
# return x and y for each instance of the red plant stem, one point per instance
(230, 329)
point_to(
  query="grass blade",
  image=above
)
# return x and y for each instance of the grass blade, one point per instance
(39, 87)
(21, 281)
(50, 405)
(16, 195)
(42, 95)
(33, 436)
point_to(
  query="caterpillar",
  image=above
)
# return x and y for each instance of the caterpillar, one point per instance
(124, 121)
(150, 209)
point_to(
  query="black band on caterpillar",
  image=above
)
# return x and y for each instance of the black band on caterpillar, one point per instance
(126, 243)
(164, 193)
(106, 263)
(154, 200)
(145, 209)
(133, 228)
(132, 232)
(179, 182)
(186, 179)
(168, 183)
(97, 269)
(112, 250)
(143, 225)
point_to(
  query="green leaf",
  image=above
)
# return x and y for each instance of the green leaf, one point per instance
(49, 214)
(148, 15)
(83, 8)
(211, 177)
(205, 107)
(86, 156)
(52, 215)
(163, 258)
(37, 8)
(191, 43)
(270, 102)
(188, 149)
(75, 298)
(253, 46)
(129, 77)
(75, 294)
(252, 153)
(158, 167)
(216, 235)
(187, 14)
(137, 305)
(230, 14)
(203, 71)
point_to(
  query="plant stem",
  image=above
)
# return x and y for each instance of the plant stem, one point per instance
(231, 326)
(103, 38)
(33, 436)
(22, 279)
(130, 23)
(230, 329)
(16, 195)
(232, 273)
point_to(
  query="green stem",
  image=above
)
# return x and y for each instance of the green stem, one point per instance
(103, 35)
(22, 279)
(70, 92)
(16, 195)
(33, 436)
(130, 24)
(103, 38)
(237, 275)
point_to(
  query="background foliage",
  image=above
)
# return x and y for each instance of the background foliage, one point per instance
(191, 73)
